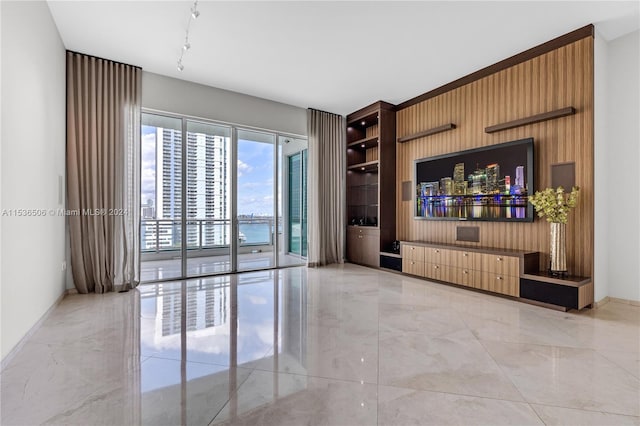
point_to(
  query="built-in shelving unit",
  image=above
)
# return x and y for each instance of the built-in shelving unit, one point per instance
(371, 177)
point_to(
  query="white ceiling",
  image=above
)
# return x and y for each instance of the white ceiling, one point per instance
(336, 56)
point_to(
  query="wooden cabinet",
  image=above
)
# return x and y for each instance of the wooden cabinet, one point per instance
(362, 245)
(497, 271)
(371, 180)
(569, 292)
(412, 259)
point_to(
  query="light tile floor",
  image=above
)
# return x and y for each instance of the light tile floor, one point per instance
(340, 345)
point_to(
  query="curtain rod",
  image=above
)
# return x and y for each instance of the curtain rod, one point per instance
(103, 59)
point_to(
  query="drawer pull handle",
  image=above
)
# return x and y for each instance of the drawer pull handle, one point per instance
(465, 272)
(437, 251)
(466, 254)
(436, 267)
(499, 259)
(413, 263)
(413, 248)
(499, 278)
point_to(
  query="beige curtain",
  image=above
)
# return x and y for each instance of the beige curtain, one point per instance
(103, 172)
(326, 214)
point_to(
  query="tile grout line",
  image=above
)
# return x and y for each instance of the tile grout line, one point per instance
(586, 410)
(498, 365)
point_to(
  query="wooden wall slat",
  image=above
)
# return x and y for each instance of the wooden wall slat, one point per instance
(554, 80)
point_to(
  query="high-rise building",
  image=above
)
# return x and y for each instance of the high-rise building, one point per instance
(459, 183)
(208, 186)
(168, 173)
(493, 177)
(478, 180)
(520, 176)
(446, 186)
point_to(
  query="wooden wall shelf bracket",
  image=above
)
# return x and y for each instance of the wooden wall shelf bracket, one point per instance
(429, 132)
(563, 112)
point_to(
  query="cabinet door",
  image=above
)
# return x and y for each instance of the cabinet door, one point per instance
(354, 254)
(363, 245)
(370, 243)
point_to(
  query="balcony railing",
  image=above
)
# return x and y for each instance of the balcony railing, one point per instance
(165, 235)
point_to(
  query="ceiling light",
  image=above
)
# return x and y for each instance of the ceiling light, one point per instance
(186, 46)
(363, 122)
(194, 10)
(362, 145)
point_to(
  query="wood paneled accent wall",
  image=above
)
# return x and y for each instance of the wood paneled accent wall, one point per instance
(554, 80)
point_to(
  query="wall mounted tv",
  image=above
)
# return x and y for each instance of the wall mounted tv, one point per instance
(491, 183)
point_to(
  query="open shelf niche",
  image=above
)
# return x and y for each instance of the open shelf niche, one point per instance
(371, 163)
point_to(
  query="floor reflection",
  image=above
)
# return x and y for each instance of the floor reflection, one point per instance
(338, 345)
(201, 339)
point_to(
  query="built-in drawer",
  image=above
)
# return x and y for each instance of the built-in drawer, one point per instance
(500, 265)
(466, 259)
(437, 255)
(500, 283)
(411, 252)
(467, 277)
(439, 272)
(413, 267)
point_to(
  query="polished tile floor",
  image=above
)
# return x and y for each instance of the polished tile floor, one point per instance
(340, 345)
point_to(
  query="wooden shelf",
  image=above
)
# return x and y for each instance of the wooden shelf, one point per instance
(571, 281)
(364, 167)
(563, 112)
(435, 130)
(567, 293)
(364, 143)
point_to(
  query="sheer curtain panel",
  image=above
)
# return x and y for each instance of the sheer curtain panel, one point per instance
(103, 172)
(326, 214)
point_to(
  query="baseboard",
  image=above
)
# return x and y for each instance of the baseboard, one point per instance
(625, 301)
(608, 299)
(13, 352)
(600, 303)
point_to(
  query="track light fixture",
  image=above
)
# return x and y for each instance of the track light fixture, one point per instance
(186, 46)
(194, 11)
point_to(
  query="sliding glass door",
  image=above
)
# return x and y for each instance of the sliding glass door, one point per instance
(255, 197)
(208, 199)
(294, 199)
(219, 199)
(161, 198)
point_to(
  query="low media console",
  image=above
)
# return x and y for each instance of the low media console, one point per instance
(510, 272)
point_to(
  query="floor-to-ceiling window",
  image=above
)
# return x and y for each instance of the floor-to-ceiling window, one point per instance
(221, 187)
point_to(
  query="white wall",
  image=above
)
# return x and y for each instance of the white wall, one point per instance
(178, 96)
(33, 159)
(601, 172)
(622, 144)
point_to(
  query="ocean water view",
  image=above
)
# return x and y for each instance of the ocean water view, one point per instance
(256, 233)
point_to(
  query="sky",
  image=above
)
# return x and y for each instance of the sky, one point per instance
(255, 174)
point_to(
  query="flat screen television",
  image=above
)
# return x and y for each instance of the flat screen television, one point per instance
(491, 183)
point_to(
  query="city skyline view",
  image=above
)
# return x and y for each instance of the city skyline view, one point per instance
(255, 175)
